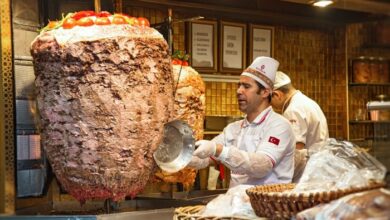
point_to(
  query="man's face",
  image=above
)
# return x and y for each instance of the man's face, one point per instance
(248, 95)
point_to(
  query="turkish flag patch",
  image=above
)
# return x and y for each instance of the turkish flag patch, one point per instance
(274, 140)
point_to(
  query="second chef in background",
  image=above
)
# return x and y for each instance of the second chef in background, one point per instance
(260, 148)
(305, 115)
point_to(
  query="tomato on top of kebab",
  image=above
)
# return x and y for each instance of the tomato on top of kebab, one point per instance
(179, 57)
(89, 18)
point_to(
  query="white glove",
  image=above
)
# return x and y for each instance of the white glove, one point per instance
(198, 163)
(300, 160)
(205, 149)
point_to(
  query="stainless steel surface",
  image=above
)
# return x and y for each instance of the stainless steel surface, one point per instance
(48, 217)
(199, 195)
(378, 105)
(175, 151)
(160, 214)
(143, 203)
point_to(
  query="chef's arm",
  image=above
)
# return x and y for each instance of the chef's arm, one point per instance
(256, 164)
(300, 146)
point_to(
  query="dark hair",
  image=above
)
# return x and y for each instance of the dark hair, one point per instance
(261, 87)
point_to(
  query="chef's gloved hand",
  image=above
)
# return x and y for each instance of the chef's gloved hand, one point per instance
(198, 163)
(205, 149)
(300, 160)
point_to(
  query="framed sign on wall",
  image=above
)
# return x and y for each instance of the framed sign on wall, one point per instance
(261, 41)
(202, 45)
(232, 47)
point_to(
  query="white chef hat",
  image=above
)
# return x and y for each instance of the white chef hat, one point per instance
(263, 70)
(281, 79)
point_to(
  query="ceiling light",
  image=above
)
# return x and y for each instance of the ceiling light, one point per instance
(322, 3)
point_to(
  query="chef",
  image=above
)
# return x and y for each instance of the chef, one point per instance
(305, 115)
(260, 148)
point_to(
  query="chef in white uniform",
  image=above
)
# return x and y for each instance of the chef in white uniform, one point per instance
(306, 118)
(305, 115)
(260, 148)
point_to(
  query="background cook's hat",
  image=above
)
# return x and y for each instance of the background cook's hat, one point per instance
(263, 70)
(281, 79)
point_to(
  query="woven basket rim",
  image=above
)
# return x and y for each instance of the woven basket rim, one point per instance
(287, 186)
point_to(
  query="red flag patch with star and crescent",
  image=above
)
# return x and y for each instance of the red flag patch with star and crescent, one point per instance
(274, 140)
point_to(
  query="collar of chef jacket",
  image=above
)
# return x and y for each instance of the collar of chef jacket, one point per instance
(258, 120)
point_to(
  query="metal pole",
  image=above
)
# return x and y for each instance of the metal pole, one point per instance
(170, 32)
(107, 206)
(98, 6)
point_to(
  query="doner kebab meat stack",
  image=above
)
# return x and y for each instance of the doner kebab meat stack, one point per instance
(104, 92)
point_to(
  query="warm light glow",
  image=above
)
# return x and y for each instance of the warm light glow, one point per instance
(322, 3)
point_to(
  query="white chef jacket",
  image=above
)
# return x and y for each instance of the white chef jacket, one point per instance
(307, 120)
(270, 134)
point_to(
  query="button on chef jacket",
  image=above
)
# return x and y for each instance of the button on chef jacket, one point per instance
(271, 134)
(307, 120)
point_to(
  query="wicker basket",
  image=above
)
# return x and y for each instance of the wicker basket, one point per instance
(273, 202)
(192, 213)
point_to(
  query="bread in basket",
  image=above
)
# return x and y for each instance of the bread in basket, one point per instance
(276, 200)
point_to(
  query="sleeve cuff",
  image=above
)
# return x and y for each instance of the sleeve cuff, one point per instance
(224, 154)
(270, 158)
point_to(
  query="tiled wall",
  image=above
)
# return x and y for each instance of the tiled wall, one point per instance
(221, 99)
(315, 59)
